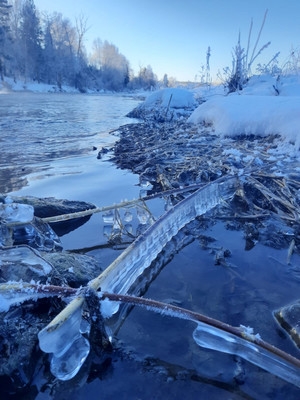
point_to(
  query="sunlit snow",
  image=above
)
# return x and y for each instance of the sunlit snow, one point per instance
(256, 110)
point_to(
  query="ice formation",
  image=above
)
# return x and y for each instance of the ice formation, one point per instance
(61, 336)
(14, 297)
(213, 338)
(15, 213)
(25, 256)
(70, 349)
(124, 271)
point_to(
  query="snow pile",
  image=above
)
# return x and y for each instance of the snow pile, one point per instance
(172, 97)
(257, 110)
(170, 103)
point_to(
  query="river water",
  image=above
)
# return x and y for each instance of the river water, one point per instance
(48, 146)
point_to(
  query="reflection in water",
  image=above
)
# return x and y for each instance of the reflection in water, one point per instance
(12, 179)
(39, 128)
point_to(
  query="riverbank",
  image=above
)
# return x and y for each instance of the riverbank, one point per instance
(236, 262)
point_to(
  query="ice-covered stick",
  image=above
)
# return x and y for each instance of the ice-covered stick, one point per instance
(210, 333)
(122, 204)
(14, 293)
(214, 334)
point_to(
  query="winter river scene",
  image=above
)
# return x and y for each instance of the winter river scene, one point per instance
(203, 243)
(149, 226)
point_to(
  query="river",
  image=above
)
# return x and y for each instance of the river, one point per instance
(49, 146)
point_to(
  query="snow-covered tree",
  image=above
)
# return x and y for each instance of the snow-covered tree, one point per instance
(95, 57)
(147, 78)
(165, 81)
(111, 65)
(51, 49)
(4, 35)
(31, 37)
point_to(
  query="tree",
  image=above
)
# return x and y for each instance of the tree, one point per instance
(59, 49)
(4, 35)
(96, 55)
(31, 36)
(113, 67)
(165, 81)
(147, 78)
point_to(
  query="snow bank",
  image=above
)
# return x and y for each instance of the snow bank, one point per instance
(255, 111)
(175, 102)
(178, 98)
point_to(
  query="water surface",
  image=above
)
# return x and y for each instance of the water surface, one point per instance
(47, 143)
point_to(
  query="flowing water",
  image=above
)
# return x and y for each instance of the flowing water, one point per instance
(47, 149)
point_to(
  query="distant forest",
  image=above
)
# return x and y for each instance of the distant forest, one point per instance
(49, 48)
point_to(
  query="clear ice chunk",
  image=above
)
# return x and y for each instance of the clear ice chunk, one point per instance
(108, 217)
(128, 216)
(143, 215)
(14, 212)
(67, 365)
(59, 339)
(25, 257)
(213, 338)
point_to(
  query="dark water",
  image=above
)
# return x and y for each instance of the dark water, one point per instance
(46, 145)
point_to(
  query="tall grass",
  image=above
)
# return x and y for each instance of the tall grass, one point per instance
(243, 59)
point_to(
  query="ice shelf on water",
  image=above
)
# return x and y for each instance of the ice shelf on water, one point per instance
(216, 339)
(125, 270)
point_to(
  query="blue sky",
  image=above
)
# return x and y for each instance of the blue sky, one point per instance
(173, 35)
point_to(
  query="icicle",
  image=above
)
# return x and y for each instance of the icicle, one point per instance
(58, 340)
(67, 365)
(216, 335)
(213, 338)
(124, 271)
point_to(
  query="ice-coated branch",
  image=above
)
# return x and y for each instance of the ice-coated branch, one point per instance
(122, 204)
(14, 293)
(217, 335)
(70, 348)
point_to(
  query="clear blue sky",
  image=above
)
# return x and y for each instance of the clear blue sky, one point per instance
(173, 35)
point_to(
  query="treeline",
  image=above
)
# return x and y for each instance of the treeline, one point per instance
(49, 48)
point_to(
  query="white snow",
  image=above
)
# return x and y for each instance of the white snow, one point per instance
(10, 84)
(175, 101)
(256, 110)
(258, 115)
(172, 97)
